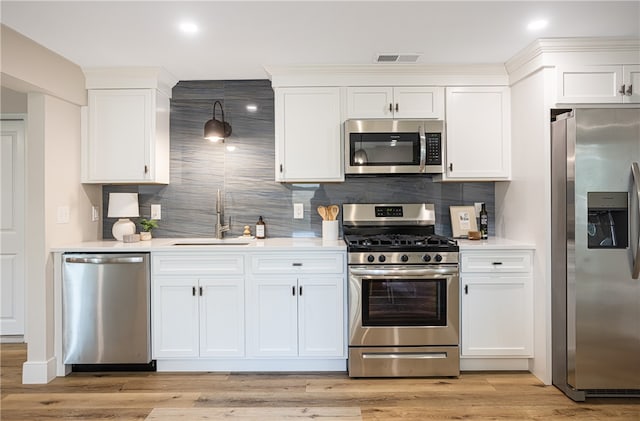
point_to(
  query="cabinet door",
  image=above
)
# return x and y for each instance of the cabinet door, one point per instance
(272, 323)
(418, 102)
(632, 83)
(369, 102)
(497, 315)
(175, 317)
(119, 136)
(221, 316)
(478, 133)
(308, 135)
(321, 316)
(589, 84)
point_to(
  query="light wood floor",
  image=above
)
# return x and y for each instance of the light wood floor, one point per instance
(270, 397)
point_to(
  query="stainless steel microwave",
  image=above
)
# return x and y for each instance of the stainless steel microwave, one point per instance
(394, 147)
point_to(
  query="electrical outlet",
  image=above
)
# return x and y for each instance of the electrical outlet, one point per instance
(298, 211)
(156, 212)
(95, 214)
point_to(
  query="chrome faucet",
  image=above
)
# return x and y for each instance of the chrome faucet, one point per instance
(221, 229)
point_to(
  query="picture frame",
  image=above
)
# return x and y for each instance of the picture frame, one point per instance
(463, 220)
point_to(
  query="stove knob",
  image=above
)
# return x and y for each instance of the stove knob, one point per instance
(381, 258)
(404, 258)
(370, 258)
(438, 258)
(426, 258)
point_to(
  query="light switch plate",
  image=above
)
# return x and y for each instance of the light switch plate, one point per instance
(95, 214)
(298, 210)
(63, 215)
(156, 212)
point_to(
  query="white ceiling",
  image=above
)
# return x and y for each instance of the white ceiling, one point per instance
(236, 39)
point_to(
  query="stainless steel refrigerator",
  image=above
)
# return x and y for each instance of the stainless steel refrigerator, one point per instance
(595, 187)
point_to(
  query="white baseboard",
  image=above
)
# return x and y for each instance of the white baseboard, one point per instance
(39, 372)
(490, 364)
(12, 339)
(257, 365)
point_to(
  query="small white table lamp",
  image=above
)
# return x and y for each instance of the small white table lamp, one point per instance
(123, 206)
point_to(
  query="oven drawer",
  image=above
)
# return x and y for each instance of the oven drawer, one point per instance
(298, 263)
(404, 361)
(495, 261)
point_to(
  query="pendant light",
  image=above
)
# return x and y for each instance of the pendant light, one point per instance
(216, 130)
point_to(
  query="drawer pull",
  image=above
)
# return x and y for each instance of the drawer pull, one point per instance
(496, 263)
(296, 264)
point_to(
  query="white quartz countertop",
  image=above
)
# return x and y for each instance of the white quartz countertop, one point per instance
(495, 243)
(201, 244)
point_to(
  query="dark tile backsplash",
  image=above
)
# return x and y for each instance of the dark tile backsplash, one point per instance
(246, 174)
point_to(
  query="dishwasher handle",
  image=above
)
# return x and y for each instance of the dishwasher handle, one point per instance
(105, 260)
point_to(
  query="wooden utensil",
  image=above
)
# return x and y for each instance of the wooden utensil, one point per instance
(322, 211)
(333, 212)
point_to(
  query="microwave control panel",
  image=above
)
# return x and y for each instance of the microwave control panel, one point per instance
(434, 148)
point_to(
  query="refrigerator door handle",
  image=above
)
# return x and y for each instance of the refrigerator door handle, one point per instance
(635, 170)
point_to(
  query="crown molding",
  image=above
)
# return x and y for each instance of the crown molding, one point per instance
(546, 52)
(386, 74)
(130, 78)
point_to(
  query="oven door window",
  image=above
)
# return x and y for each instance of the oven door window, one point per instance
(384, 149)
(404, 302)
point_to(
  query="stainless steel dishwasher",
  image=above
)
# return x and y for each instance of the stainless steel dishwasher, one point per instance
(106, 308)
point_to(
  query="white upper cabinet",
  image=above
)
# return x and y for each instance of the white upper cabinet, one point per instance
(127, 138)
(604, 84)
(308, 135)
(478, 134)
(398, 102)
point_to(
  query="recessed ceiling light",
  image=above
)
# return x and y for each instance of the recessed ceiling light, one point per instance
(252, 108)
(188, 27)
(536, 25)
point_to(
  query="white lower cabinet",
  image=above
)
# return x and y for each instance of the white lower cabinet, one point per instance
(288, 309)
(197, 315)
(295, 312)
(496, 304)
(295, 316)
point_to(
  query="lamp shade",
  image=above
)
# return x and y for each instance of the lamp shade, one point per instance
(123, 205)
(217, 130)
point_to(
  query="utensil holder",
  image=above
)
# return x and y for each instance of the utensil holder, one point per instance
(329, 230)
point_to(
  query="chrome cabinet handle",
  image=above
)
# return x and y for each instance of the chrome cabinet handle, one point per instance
(423, 149)
(451, 167)
(103, 260)
(621, 91)
(635, 170)
(397, 107)
(193, 291)
(390, 107)
(630, 90)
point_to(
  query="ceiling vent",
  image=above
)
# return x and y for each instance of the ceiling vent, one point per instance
(397, 58)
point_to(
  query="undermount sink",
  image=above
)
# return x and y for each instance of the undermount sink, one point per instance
(212, 242)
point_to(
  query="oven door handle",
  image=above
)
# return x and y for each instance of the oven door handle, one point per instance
(404, 271)
(423, 149)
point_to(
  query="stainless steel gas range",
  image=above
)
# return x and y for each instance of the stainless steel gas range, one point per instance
(403, 292)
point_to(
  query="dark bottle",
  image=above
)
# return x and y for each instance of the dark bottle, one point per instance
(484, 223)
(260, 228)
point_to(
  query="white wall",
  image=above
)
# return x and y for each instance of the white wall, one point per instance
(524, 204)
(55, 89)
(12, 102)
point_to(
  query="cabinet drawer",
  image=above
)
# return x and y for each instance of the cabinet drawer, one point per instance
(298, 263)
(197, 263)
(495, 261)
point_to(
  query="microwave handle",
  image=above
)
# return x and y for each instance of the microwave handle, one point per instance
(423, 148)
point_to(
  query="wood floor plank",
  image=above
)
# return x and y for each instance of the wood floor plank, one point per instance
(99, 400)
(233, 396)
(257, 414)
